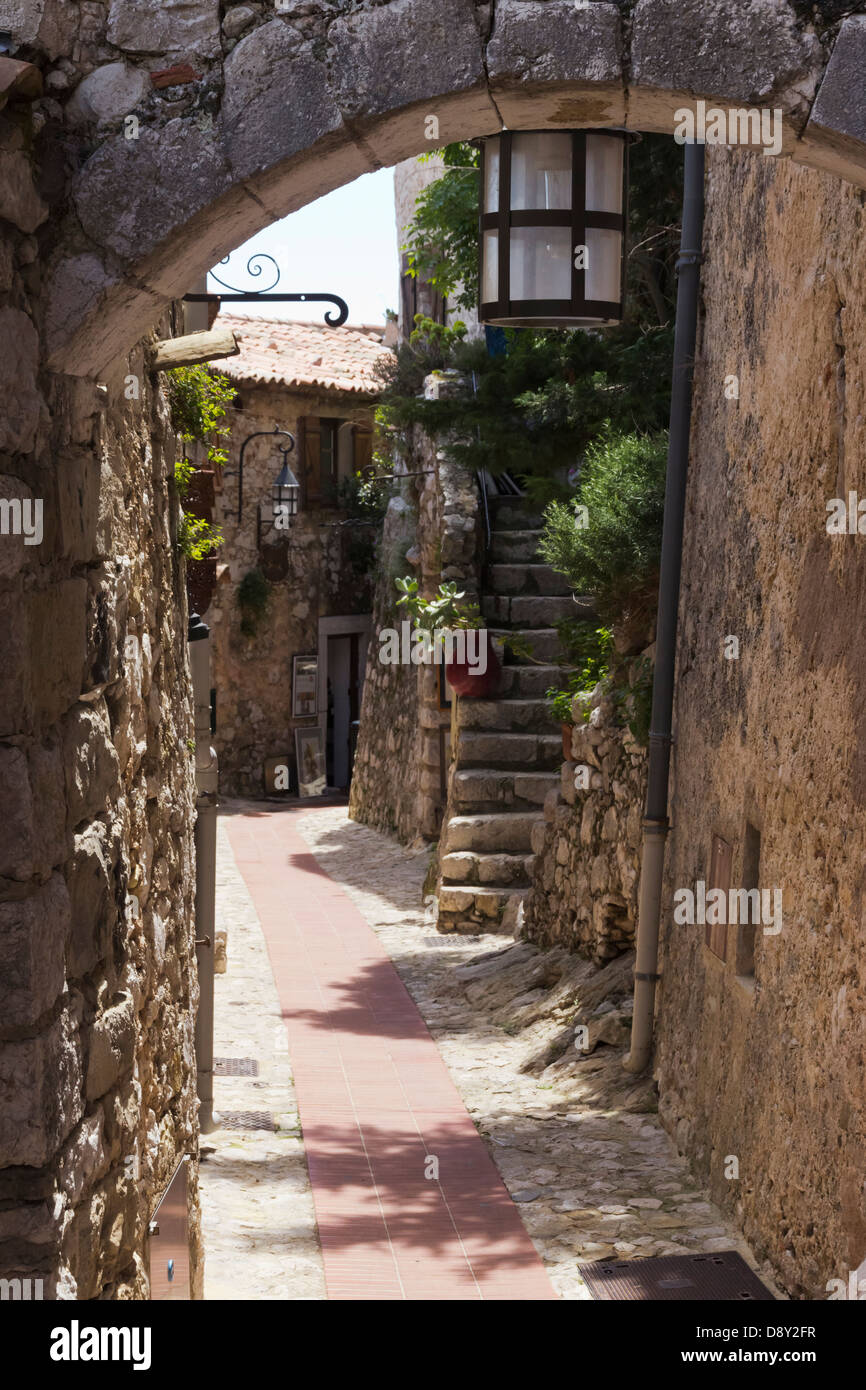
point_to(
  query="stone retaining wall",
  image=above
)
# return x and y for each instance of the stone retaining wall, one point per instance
(98, 986)
(401, 764)
(585, 878)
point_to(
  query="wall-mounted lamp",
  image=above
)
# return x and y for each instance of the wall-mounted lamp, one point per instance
(286, 488)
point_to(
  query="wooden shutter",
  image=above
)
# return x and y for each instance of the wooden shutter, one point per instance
(362, 442)
(720, 877)
(309, 455)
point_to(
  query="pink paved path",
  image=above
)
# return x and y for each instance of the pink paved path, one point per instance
(376, 1099)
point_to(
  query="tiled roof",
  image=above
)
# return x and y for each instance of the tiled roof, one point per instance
(304, 354)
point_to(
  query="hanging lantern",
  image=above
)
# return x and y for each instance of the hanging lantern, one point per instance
(285, 492)
(553, 215)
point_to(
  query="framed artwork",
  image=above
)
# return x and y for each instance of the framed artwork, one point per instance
(305, 686)
(310, 753)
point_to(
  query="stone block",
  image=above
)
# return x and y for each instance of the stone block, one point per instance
(40, 1094)
(17, 841)
(94, 314)
(408, 53)
(166, 176)
(77, 481)
(90, 879)
(186, 28)
(19, 363)
(835, 135)
(112, 1048)
(108, 93)
(14, 708)
(84, 1158)
(277, 104)
(567, 790)
(755, 55)
(577, 50)
(33, 935)
(90, 760)
(27, 514)
(20, 203)
(57, 647)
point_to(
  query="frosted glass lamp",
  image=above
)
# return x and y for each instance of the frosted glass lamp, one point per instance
(552, 236)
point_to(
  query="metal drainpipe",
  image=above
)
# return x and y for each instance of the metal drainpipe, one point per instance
(206, 772)
(656, 824)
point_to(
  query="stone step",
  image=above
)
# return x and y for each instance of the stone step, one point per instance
(526, 579)
(513, 514)
(510, 546)
(477, 909)
(481, 748)
(507, 832)
(529, 610)
(541, 642)
(468, 867)
(530, 682)
(507, 716)
(488, 788)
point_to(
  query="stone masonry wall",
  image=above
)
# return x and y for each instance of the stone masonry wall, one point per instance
(401, 766)
(770, 750)
(586, 874)
(98, 986)
(316, 569)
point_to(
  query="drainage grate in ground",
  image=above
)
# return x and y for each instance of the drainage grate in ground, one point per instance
(247, 1119)
(720, 1277)
(235, 1066)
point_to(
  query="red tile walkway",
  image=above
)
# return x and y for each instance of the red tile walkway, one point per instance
(376, 1099)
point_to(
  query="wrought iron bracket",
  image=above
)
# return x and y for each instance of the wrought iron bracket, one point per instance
(258, 435)
(254, 268)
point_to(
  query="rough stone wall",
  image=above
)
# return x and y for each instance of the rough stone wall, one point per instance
(586, 873)
(316, 569)
(769, 1068)
(98, 986)
(401, 766)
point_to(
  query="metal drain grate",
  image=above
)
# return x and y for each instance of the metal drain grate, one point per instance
(247, 1119)
(235, 1066)
(722, 1277)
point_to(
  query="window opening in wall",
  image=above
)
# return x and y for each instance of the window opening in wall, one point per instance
(745, 962)
(720, 877)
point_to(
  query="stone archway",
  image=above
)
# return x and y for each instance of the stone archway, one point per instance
(305, 102)
(96, 1071)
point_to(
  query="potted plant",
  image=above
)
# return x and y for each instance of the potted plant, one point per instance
(447, 612)
(560, 707)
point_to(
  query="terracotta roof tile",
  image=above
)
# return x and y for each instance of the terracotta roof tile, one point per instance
(304, 354)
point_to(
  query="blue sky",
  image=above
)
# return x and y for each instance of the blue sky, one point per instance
(345, 243)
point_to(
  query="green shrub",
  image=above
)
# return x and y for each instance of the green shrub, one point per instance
(198, 400)
(252, 597)
(615, 556)
(588, 650)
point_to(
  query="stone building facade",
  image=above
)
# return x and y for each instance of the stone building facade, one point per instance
(98, 988)
(319, 383)
(761, 1043)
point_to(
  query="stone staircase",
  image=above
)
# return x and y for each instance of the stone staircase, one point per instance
(509, 750)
